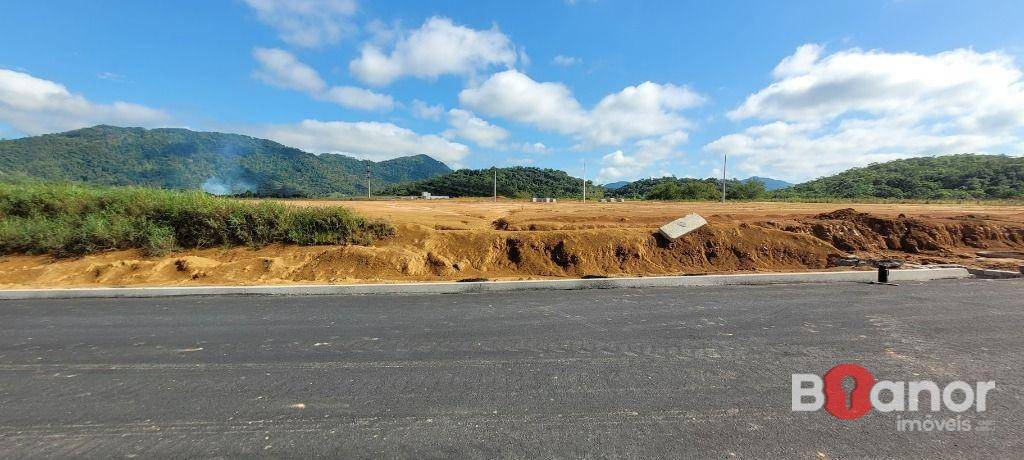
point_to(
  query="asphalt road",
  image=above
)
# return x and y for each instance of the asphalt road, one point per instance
(692, 372)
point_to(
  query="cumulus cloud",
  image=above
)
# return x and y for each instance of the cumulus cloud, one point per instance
(644, 110)
(824, 114)
(517, 97)
(648, 109)
(426, 111)
(307, 23)
(438, 47)
(358, 98)
(467, 126)
(534, 147)
(367, 140)
(566, 61)
(32, 105)
(282, 69)
(646, 153)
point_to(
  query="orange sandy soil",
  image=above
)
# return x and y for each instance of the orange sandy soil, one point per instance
(474, 239)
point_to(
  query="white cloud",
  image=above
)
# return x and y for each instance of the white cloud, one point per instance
(648, 109)
(358, 98)
(825, 114)
(369, 140)
(307, 23)
(467, 126)
(426, 111)
(33, 105)
(282, 69)
(534, 147)
(111, 76)
(566, 61)
(799, 63)
(647, 154)
(438, 47)
(513, 161)
(517, 97)
(382, 33)
(617, 165)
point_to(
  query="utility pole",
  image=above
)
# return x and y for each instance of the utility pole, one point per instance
(367, 182)
(584, 180)
(495, 184)
(725, 161)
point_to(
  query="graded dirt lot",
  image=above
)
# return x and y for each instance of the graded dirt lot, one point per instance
(480, 239)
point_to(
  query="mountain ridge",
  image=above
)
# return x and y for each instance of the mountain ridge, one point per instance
(960, 176)
(770, 184)
(513, 182)
(222, 163)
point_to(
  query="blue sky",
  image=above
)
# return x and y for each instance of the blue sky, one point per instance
(791, 90)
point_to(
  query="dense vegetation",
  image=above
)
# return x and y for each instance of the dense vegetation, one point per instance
(67, 219)
(517, 182)
(671, 188)
(217, 162)
(964, 176)
(240, 165)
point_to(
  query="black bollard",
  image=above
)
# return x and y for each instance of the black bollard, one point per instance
(883, 274)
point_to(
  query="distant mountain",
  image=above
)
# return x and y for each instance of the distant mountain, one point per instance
(516, 182)
(217, 162)
(965, 176)
(769, 183)
(616, 185)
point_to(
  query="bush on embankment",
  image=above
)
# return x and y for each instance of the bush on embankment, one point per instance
(68, 219)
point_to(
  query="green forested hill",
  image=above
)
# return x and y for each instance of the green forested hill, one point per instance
(672, 188)
(517, 182)
(965, 176)
(183, 159)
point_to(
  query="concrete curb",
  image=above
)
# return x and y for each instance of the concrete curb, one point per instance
(986, 273)
(927, 274)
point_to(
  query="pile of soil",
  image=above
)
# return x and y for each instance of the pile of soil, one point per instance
(529, 244)
(936, 240)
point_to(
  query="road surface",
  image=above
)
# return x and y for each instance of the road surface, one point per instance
(693, 372)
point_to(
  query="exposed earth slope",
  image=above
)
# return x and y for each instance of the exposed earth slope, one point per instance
(458, 240)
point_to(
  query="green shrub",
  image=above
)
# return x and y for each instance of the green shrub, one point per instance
(67, 219)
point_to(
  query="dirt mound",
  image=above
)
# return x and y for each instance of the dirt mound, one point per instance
(849, 230)
(517, 241)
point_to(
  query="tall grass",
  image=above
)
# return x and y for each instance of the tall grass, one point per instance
(67, 219)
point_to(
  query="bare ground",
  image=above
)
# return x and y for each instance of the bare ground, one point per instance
(460, 239)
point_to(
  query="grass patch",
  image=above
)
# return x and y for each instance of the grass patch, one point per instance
(69, 219)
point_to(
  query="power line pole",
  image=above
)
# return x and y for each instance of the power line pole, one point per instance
(584, 180)
(495, 184)
(725, 161)
(367, 182)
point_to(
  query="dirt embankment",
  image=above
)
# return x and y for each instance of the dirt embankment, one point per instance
(449, 242)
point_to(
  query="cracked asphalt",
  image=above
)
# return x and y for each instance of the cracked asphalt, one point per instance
(667, 372)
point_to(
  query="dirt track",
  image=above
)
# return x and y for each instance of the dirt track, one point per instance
(454, 240)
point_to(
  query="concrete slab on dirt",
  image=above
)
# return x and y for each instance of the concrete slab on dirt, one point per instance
(679, 227)
(927, 274)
